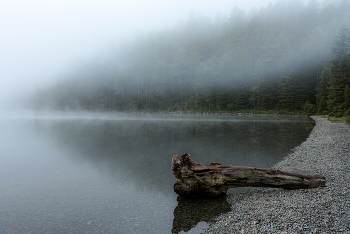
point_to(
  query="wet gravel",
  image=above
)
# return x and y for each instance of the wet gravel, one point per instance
(323, 210)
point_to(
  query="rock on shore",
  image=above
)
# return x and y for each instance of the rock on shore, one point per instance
(323, 210)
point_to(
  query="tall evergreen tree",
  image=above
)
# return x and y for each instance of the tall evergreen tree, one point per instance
(341, 43)
(346, 104)
(340, 67)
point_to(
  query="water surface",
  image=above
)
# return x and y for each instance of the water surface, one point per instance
(111, 173)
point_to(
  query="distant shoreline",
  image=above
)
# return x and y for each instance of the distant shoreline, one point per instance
(221, 113)
(159, 113)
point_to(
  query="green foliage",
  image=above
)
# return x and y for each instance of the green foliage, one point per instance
(335, 80)
(308, 108)
(336, 111)
(337, 119)
(340, 79)
(322, 106)
(323, 90)
(191, 104)
(346, 104)
(347, 115)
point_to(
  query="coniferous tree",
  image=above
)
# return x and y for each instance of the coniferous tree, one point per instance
(341, 43)
(340, 67)
(323, 90)
(346, 104)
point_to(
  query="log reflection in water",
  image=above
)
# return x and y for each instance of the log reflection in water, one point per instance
(189, 212)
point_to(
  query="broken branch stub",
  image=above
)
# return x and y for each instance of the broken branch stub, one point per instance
(198, 180)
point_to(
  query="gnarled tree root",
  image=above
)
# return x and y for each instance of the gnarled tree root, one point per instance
(213, 180)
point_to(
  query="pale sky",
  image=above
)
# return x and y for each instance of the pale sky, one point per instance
(41, 39)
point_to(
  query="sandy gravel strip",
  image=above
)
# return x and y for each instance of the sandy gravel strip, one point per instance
(324, 210)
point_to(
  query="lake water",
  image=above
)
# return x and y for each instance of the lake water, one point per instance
(111, 173)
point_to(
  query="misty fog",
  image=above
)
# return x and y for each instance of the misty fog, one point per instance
(46, 42)
(42, 42)
(266, 58)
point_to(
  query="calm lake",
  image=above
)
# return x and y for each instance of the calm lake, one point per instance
(111, 173)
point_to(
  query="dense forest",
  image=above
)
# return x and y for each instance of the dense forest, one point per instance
(288, 57)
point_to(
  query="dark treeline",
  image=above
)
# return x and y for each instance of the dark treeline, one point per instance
(287, 57)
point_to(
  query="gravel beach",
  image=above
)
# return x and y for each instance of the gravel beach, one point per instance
(324, 210)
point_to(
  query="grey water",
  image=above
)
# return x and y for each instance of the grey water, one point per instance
(111, 173)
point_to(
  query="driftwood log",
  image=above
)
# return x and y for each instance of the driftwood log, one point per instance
(213, 180)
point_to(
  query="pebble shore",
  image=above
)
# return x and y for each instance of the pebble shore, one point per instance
(323, 210)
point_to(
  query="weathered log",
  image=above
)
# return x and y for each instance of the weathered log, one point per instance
(198, 180)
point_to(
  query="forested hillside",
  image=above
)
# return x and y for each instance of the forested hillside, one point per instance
(287, 57)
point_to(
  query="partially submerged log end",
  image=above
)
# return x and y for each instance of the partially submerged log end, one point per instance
(198, 180)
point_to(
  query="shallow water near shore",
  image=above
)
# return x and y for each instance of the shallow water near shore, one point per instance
(111, 173)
